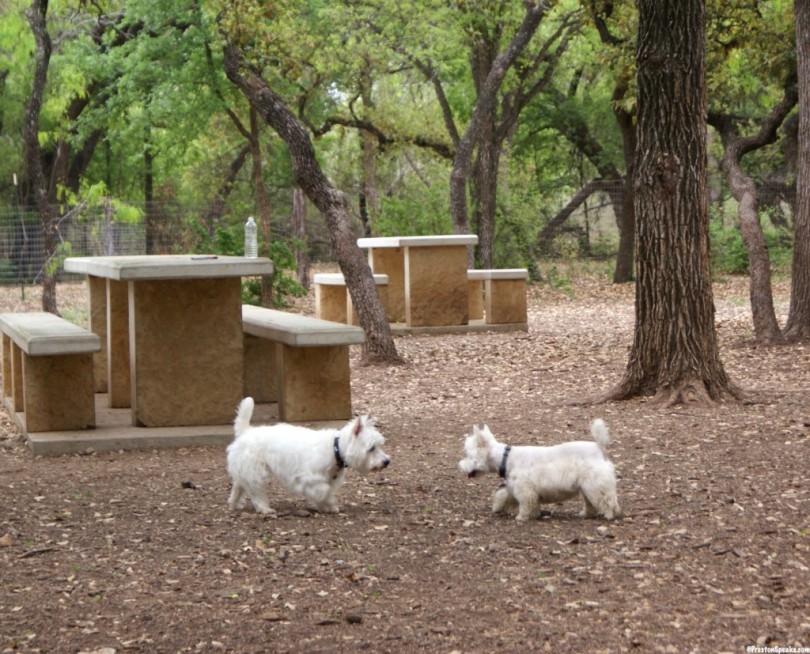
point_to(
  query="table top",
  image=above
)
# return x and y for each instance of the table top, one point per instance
(417, 241)
(169, 266)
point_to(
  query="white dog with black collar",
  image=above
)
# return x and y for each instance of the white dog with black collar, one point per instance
(308, 462)
(534, 475)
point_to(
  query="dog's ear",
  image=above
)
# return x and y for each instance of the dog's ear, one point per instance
(358, 427)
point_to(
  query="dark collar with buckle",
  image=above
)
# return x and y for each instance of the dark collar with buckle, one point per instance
(339, 459)
(502, 467)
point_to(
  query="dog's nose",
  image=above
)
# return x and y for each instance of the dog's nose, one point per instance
(386, 462)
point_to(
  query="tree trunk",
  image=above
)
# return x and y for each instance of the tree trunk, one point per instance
(484, 109)
(486, 192)
(299, 228)
(46, 208)
(744, 190)
(766, 327)
(798, 322)
(675, 355)
(262, 203)
(150, 206)
(626, 219)
(331, 202)
(369, 203)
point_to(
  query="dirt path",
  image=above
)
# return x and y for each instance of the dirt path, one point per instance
(136, 551)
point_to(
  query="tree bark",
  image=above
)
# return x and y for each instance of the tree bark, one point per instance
(485, 107)
(675, 354)
(486, 192)
(46, 207)
(744, 190)
(331, 202)
(262, 202)
(626, 219)
(151, 220)
(798, 322)
(369, 203)
(299, 228)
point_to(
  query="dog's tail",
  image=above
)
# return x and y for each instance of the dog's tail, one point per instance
(243, 415)
(600, 433)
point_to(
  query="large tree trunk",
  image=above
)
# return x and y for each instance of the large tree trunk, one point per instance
(798, 322)
(331, 202)
(46, 207)
(675, 355)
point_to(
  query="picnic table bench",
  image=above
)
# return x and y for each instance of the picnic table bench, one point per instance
(334, 302)
(300, 362)
(498, 295)
(48, 371)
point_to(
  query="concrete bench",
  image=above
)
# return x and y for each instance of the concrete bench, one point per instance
(48, 371)
(300, 362)
(334, 302)
(498, 295)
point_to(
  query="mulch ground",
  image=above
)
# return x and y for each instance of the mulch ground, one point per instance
(137, 551)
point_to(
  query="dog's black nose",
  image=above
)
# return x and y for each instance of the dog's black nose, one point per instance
(386, 462)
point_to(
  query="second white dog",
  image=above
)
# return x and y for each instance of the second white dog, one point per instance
(306, 462)
(535, 475)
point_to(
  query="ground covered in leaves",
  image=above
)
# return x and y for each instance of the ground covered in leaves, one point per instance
(137, 552)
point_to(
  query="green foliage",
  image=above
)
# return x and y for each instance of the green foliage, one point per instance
(559, 280)
(730, 256)
(285, 284)
(230, 241)
(416, 211)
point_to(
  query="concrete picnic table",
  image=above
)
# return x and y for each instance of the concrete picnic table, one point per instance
(171, 333)
(427, 277)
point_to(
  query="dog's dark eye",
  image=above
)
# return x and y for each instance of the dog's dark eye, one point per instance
(372, 448)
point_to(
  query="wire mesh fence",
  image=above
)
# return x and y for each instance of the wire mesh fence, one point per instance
(98, 232)
(583, 225)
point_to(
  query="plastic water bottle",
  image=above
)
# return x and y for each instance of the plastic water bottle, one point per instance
(251, 239)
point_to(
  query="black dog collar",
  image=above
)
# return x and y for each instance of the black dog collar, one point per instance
(340, 462)
(502, 468)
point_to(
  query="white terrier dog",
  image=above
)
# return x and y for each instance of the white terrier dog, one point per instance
(306, 462)
(534, 475)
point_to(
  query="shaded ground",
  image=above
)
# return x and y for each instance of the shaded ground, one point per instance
(136, 551)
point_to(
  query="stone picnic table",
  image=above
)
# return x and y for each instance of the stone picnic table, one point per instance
(427, 277)
(171, 333)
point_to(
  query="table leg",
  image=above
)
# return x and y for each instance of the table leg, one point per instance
(97, 313)
(436, 291)
(185, 351)
(391, 262)
(118, 373)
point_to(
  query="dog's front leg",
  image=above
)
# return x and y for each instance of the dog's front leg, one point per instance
(321, 494)
(502, 501)
(526, 497)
